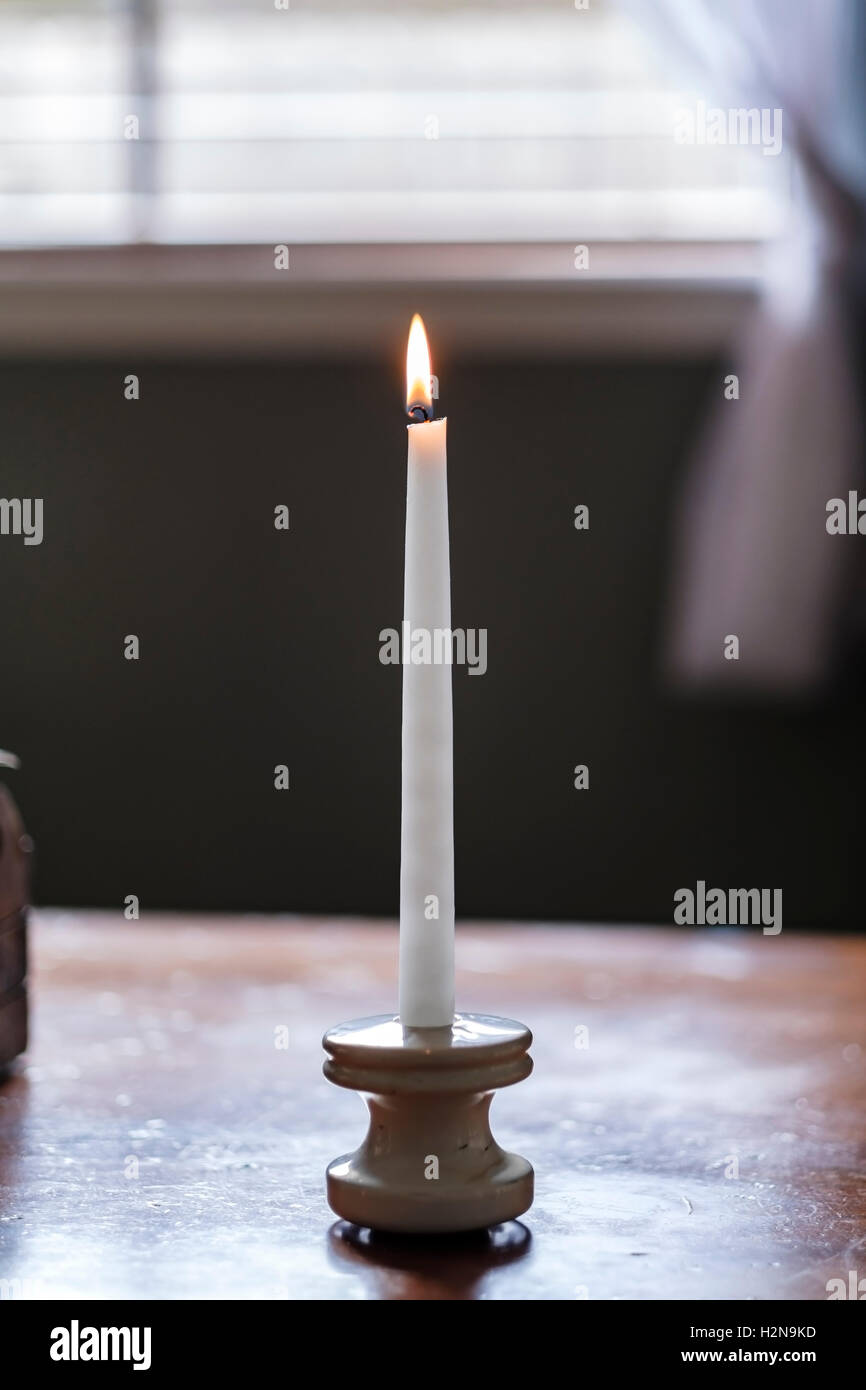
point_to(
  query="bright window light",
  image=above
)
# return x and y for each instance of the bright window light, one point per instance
(329, 122)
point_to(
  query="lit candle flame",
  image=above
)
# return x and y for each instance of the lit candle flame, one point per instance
(419, 395)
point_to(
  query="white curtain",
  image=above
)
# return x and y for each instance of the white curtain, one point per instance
(753, 558)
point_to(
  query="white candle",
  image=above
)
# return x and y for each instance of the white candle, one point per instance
(427, 827)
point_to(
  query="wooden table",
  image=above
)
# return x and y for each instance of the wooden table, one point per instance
(708, 1143)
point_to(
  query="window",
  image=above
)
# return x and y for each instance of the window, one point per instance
(234, 121)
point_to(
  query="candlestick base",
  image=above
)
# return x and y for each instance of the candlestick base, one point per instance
(429, 1162)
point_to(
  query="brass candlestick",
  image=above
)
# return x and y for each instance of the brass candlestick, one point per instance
(429, 1163)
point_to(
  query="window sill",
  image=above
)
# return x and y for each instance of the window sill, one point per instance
(634, 298)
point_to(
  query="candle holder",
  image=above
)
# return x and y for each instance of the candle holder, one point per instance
(429, 1163)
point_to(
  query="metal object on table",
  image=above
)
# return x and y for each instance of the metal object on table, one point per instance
(16, 849)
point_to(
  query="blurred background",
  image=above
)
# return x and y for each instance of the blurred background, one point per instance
(590, 281)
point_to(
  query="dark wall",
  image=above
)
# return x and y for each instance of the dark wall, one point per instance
(260, 647)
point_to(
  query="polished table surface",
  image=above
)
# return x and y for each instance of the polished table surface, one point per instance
(695, 1117)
